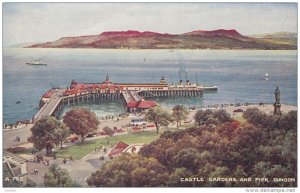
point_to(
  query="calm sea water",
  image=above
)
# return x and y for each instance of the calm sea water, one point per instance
(239, 75)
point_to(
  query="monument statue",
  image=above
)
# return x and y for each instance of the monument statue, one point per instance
(277, 104)
(277, 94)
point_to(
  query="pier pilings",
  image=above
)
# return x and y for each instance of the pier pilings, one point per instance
(58, 101)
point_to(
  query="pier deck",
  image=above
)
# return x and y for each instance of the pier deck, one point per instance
(127, 96)
(50, 106)
(131, 96)
(58, 100)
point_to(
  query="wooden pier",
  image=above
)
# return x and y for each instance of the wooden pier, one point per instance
(57, 101)
(128, 93)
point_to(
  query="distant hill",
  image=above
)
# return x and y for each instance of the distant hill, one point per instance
(216, 39)
(275, 35)
(216, 33)
(21, 45)
(280, 38)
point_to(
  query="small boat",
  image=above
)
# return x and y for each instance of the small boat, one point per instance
(18, 102)
(36, 63)
(267, 76)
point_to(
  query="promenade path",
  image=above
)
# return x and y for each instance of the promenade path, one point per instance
(9, 136)
(79, 170)
(48, 108)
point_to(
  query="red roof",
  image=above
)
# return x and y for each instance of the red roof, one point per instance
(121, 145)
(132, 104)
(141, 104)
(118, 149)
(146, 104)
(48, 94)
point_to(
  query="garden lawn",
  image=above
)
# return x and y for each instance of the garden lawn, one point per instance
(240, 119)
(80, 150)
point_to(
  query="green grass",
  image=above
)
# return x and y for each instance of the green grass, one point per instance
(240, 119)
(188, 125)
(80, 150)
(26, 151)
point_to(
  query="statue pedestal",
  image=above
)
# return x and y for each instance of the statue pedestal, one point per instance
(277, 106)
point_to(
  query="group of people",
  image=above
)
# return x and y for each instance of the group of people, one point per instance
(66, 160)
(101, 148)
(18, 124)
(40, 159)
(108, 117)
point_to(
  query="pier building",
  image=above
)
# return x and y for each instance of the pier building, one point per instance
(136, 97)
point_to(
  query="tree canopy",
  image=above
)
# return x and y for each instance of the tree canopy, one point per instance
(219, 147)
(62, 133)
(81, 121)
(179, 112)
(46, 133)
(108, 131)
(159, 117)
(58, 177)
(207, 117)
(130, 170)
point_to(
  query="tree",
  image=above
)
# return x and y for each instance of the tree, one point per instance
(219, 171)
(45, 133)
(65, 178)
(55, 170)
(187, 158)
(179, 113)
(208, 116)
(62, 133)
(222, 116)
(108, 131)
(130, 170)
(289, 121)
(254, 116)
(219, 147)
(159, 117)
(177, 175)
(81, 121)
(56, 177)
(49, 180)
(202, 116)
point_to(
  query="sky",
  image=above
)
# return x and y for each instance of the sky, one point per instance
(42, 22)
